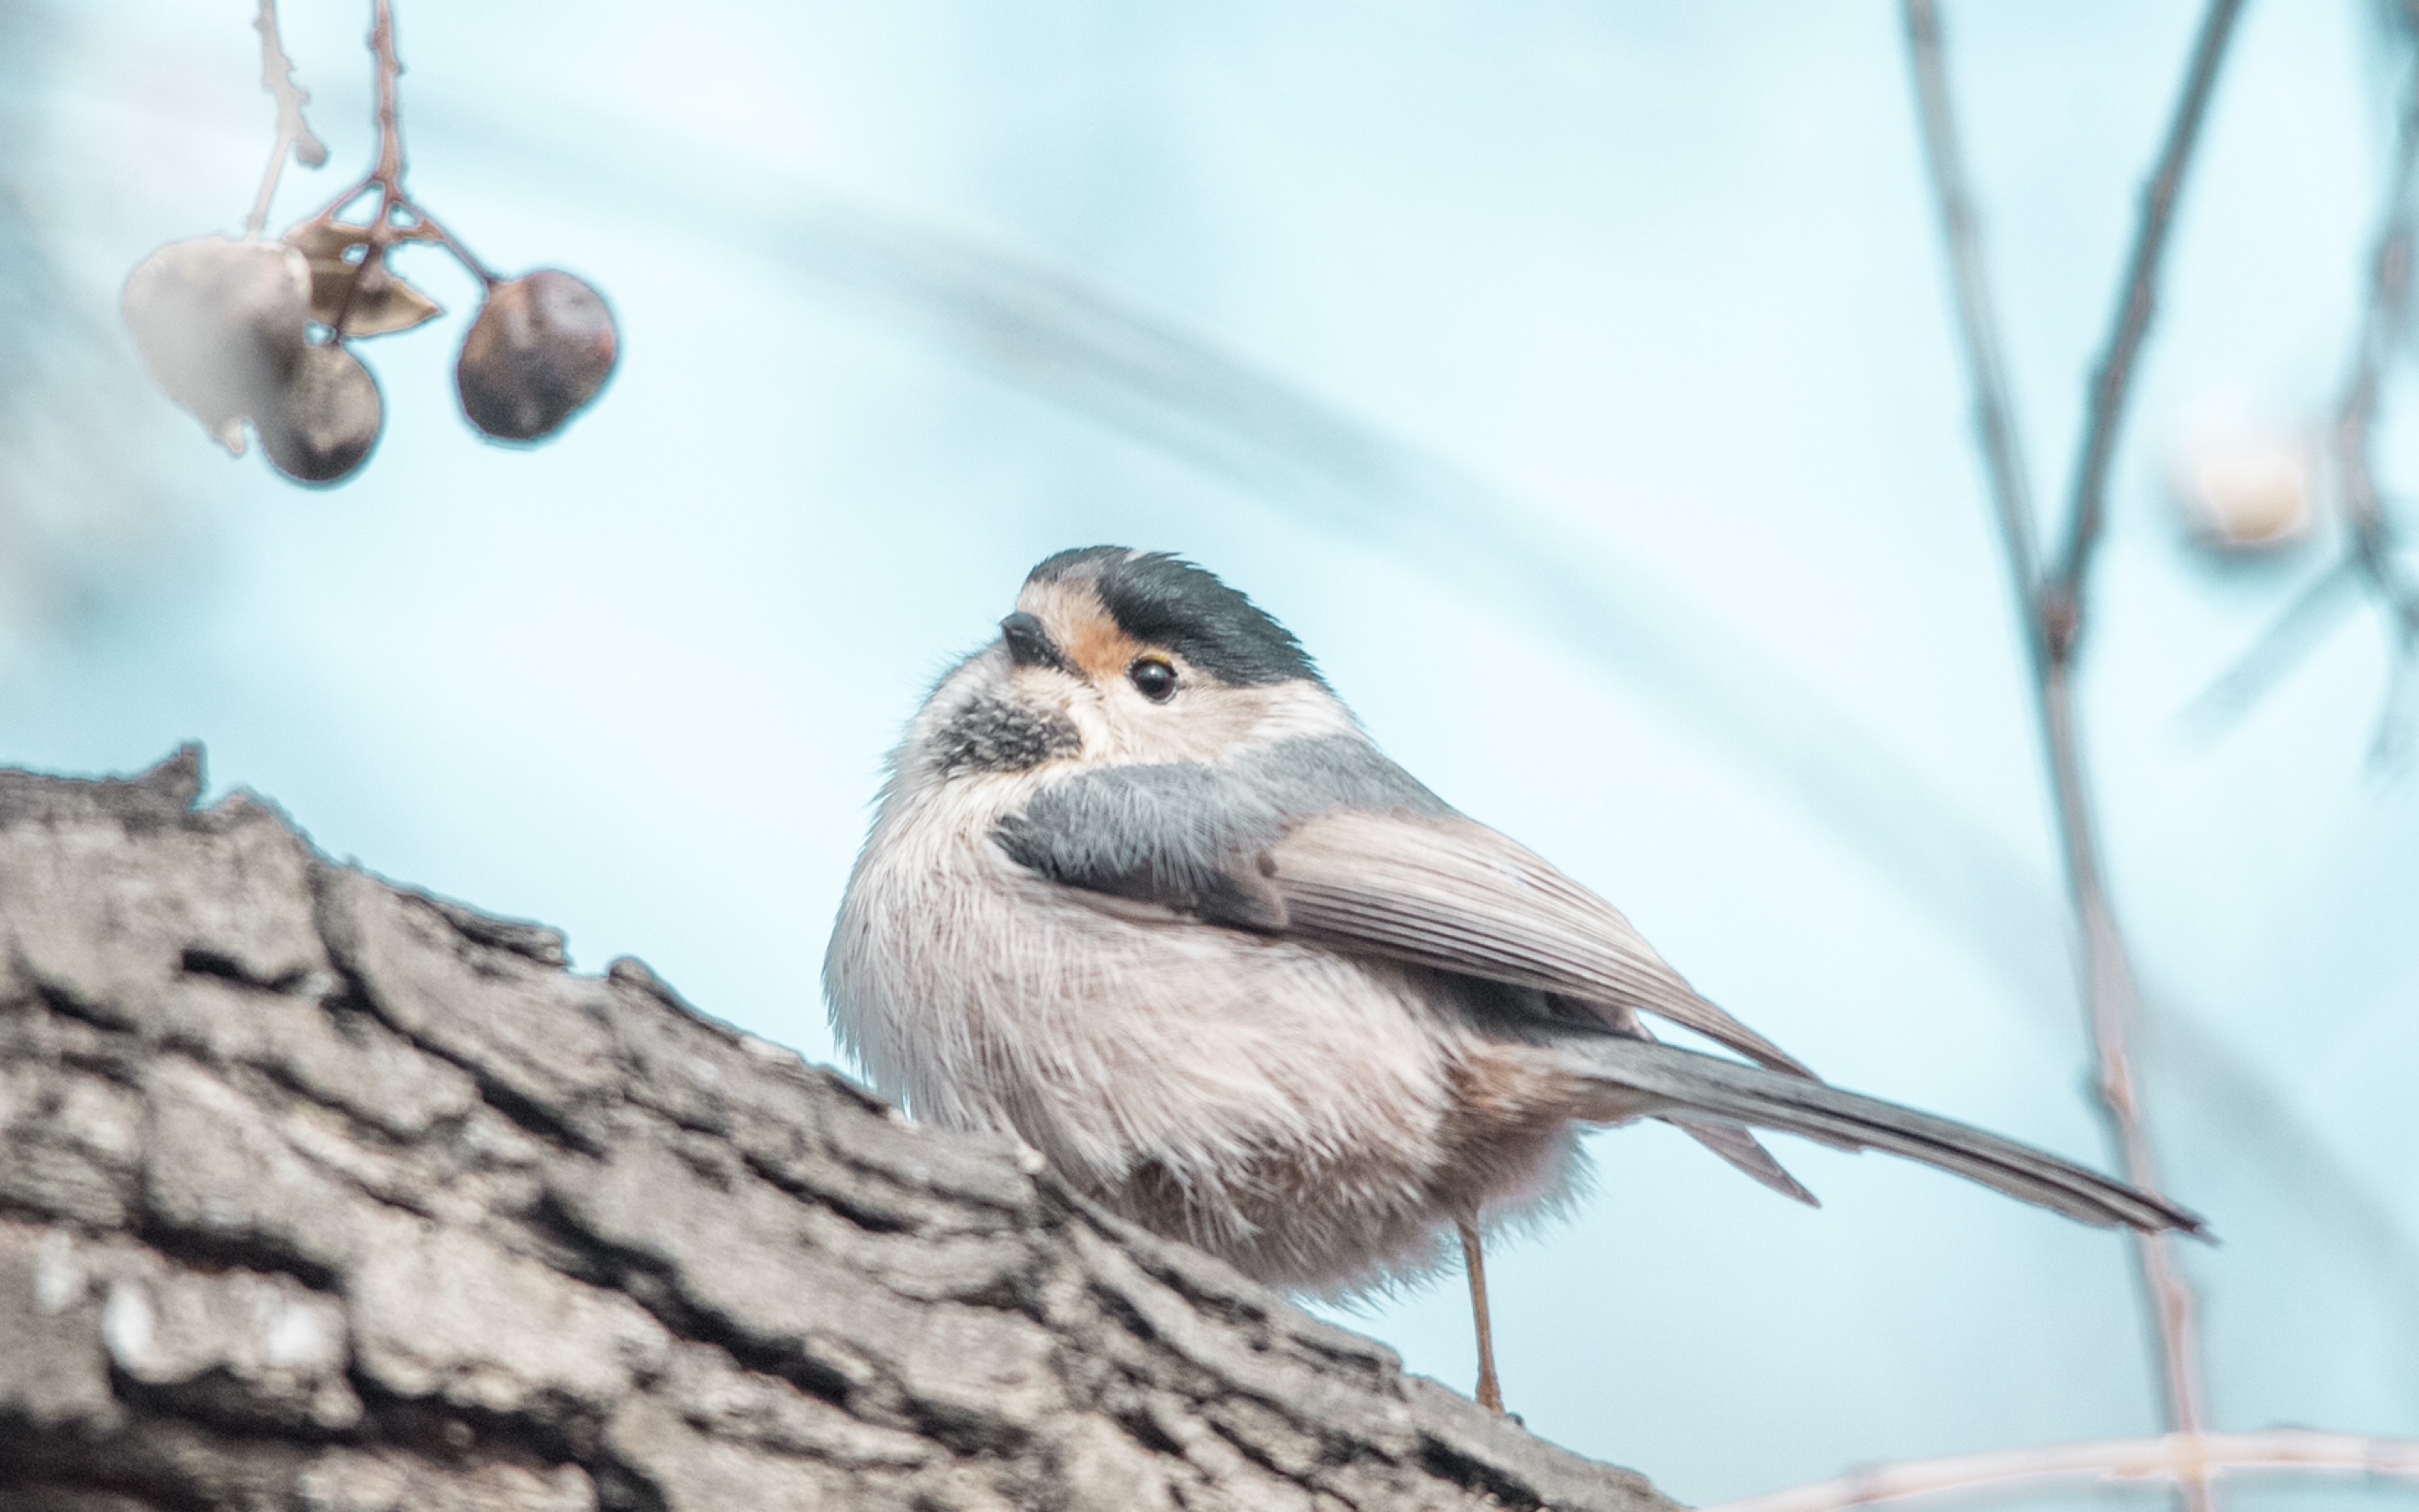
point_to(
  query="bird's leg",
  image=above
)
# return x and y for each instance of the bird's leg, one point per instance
(1473, 1264)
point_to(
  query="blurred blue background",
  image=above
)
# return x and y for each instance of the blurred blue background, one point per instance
(1576, 379)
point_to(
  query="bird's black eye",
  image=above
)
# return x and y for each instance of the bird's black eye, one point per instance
(1154, 678)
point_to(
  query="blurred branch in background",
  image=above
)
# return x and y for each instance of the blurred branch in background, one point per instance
(2177, 1459)
(2059, 605)
(295, 137)
(2370, 561)
(2053, 609)
(1977, 324)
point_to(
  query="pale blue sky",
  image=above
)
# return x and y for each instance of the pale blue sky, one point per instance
(1576, 379)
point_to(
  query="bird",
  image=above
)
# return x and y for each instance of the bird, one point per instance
(1141, 891)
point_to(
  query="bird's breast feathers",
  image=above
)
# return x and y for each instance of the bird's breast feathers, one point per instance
(988, 996)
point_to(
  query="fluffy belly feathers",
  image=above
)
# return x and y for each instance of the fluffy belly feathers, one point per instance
(1278, 1104)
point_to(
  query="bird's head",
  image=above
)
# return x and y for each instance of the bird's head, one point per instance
(1112, 656)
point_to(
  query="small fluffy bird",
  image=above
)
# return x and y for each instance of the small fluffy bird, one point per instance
(1142, 892)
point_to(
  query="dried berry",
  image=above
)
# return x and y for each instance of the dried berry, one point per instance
(221, 324)
(542, 346)
(325, 419)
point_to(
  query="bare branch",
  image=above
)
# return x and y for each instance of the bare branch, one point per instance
(2392, 742)
(422, 226)
(397, 218)
(2111, 380)
(2369, 543)
(1995, 423)
(2275, 653)
(293, 133)
(2053, 618)
(2113, 1000)
(387, 177)
(389, 67)
(2175, 1458)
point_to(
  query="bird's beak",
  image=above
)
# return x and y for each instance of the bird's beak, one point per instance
(1029, 644)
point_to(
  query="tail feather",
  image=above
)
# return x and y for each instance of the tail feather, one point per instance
(1702, 1091)
(1742, 1149)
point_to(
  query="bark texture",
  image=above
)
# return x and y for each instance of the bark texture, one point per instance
(319, 1192)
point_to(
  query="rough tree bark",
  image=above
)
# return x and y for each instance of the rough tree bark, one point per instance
(319, 1192)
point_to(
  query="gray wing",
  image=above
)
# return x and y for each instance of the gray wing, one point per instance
(1451, 893)
(1183, 835)
(1328, 839)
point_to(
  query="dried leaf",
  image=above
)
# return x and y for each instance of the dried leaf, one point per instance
(326, 238)
(381, 306)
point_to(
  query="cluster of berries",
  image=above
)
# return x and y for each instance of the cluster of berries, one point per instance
(260, 331)
(226, 329)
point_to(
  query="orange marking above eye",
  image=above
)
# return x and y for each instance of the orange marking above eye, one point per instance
(1100, 649)
(1072, 613)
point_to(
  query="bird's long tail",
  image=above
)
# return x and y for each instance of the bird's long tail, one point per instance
(1693, 1089)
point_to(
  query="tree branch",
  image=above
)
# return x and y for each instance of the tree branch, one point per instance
(397, 218)
(293, 133)
(2051, 610)
(2112, 379)
(1995, 422)
(317, 1193)
(2173, 1459)
(2270, 657)
(389, 172)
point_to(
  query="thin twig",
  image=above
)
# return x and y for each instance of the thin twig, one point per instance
(1995, 423)
(424, 227)
(2052, 607)
(293, 133)
(2115, 1004)
(388, 174)
(389, 67)
(2274, 654)
(399, 218)
(2401, 706)
(2175, 1458)
(2111, 380)
(2368, 530)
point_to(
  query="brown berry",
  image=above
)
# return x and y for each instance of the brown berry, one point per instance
(220, 324)
(324, 421)
(542, 346)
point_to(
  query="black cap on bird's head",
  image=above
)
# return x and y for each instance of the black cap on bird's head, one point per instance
(1114, 656)
(1158, 599)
